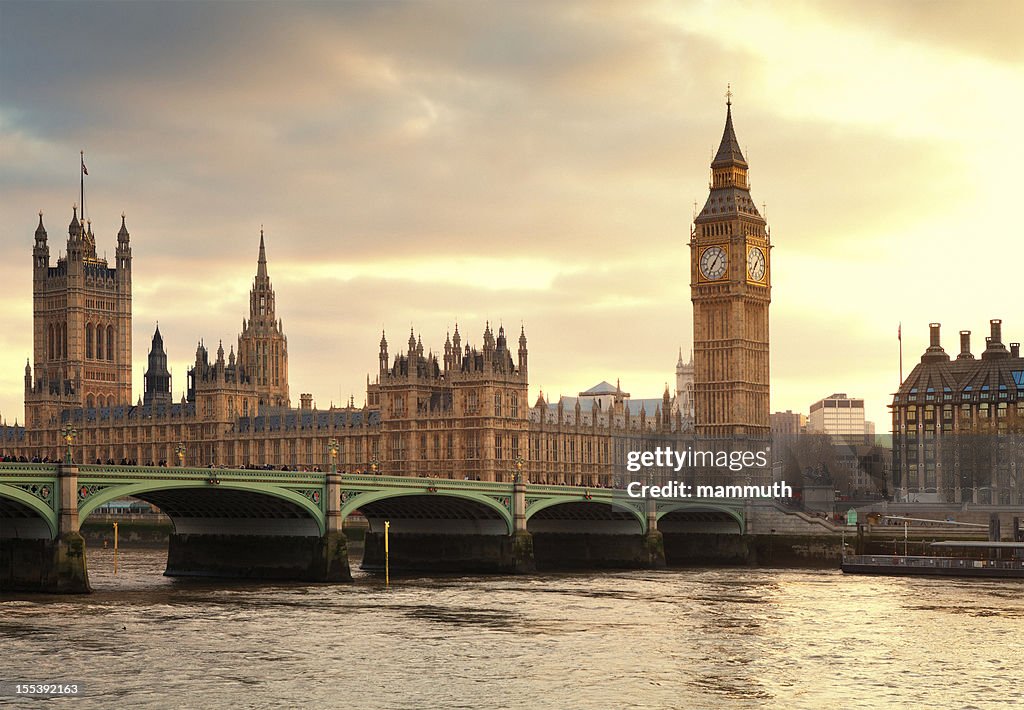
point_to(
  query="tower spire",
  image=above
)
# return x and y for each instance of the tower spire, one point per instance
(729, 152)
(261, 266)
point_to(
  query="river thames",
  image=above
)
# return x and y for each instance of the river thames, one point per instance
(682, 638)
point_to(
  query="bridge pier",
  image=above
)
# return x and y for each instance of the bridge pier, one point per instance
(332, 561)
(523, 561)
(654, 541)
(69, 569)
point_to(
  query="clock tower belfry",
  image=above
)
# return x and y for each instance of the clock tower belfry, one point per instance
(730, 287)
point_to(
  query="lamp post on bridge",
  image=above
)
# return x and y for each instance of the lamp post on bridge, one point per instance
(517, 474)
(179, 451)
(69, 433)
(374, 465)
(332, 446)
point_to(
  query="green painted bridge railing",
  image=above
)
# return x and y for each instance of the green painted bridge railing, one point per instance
(37, 486)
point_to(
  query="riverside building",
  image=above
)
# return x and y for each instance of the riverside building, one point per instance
(957, 424)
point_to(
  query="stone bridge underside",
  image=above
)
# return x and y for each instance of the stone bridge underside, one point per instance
(708, 536)
(588, 534)
(432, 532)
(209, 511)
(439, 532)
(18, 520)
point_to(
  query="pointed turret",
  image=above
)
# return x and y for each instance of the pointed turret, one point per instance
(40, 252)
(75, 227)
(412, 342)
(730, 188)
(383, 358)
(262, 345)
(729, 152)
(261, 264)
(523, 353)
(457, 346)
(158, 378)
(40, 230)
(122, 234)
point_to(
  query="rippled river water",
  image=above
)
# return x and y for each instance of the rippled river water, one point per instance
(693, 638)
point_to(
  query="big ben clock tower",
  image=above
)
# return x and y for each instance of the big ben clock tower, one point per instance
(730, 286)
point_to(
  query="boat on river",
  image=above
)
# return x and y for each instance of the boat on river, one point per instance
(978, 558)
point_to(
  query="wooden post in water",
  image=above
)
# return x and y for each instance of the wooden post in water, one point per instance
(387, 561)
(115, 548)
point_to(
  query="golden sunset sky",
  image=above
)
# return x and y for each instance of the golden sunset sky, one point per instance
(424, 163)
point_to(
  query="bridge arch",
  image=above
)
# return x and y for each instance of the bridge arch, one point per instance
(443, 504)
(161, 493)
(615, 512)
(18, 504)
(719, 512)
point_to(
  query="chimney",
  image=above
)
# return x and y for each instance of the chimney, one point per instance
(965, 346)
(934, 353)
(994, 348)
(306, 401)
(1014, 349)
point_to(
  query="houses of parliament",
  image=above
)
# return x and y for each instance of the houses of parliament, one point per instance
(461, 411)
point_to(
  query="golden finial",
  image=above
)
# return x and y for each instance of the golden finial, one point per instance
(728, 94)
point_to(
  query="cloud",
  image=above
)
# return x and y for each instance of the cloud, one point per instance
(418, 163)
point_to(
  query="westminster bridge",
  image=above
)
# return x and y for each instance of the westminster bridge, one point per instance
(267, 524)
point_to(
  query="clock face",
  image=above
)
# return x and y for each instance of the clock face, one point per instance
(713, 261)
(755, 264)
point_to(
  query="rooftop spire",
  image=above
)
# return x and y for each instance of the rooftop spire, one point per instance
(261, 267)
(41, 230)
(729, 150)
(75, 227)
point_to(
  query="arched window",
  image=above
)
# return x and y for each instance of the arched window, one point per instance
(88, 340)
(497, 404)
(99, 342)
(90, 402)
(514, 405)
(49, 342)
(110, 343)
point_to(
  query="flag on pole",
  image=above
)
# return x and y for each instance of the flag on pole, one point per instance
(85, 170)
(899, 328)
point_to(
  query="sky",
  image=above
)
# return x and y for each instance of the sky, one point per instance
(418, 164)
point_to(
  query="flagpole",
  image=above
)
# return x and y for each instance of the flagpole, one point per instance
(899, 336)
(81, 177)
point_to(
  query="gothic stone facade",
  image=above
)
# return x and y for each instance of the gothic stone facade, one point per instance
(462, 414)
(730, 283)
(82, 330)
